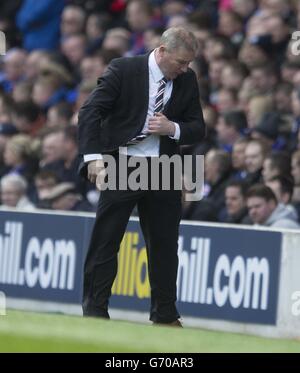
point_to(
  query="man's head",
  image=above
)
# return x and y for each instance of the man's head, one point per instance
(255, 154)
(44, 181)
(62, 196)
(14, 64)
(238, 154)
(276, 164)
(72, 20)
(264, 77)
(282, 187)
(13, 188)
(235, 197)
(217, 165)
(261, 202)
(52, 146)
(177, 49)
(230, 126)
(139, 14)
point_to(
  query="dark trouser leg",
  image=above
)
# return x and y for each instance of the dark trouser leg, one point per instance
(100, 267)
(160, 213)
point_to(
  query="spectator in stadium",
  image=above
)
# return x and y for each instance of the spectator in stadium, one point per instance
(117, 40)
(244, 8)
(66, 167)
(22, 91)
(235, 200)
(64, 196)
(268, 131)
(84, 90)
(96, 26)
(257, 107)
(231, 25)
(21, 156)
(72, 21)
(7, 130)
(33, 63)
(73, 47)
(255, 154)
(265, 210)
(118, 102)
(251, 54)
(43, 182)
(282, 98)
(27, 118)
(59, 115)
(48, 91)
(282, 187)
(39, 23)
(233, 75)
(139, 17)
(13, 190)
(52, 147)
(276, 164)
(227, 100)
(264, 78)
(217, 173)
(230, 128)
(13, 69)
(238, 158)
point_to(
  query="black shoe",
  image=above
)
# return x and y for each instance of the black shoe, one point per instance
(175, 323)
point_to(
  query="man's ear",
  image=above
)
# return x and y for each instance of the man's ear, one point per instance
(161, 49)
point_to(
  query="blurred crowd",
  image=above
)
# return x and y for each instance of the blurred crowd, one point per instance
(248, 71)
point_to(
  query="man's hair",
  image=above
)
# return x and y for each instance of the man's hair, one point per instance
(242, 140)
(28, 109)
(262, 191)
(240, 184)
(18, 181)
(179, 37)
(223, 160)
(286, 184)
(236, 119)
(64, 109)
(263, 146)
(45, 175)
(281, 161)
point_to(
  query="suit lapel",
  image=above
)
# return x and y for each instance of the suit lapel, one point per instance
(143, 79)
(174, 95)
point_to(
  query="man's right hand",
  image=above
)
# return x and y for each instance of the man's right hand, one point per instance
(96, 172)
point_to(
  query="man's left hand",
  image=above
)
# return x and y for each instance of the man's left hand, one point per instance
(159, 124)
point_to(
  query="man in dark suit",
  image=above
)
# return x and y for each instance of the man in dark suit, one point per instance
(144, 106)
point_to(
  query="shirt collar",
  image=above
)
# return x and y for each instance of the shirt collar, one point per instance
(154, 69)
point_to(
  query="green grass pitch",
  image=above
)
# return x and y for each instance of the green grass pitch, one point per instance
(41, 332)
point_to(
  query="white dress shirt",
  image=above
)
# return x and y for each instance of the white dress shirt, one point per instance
(150, 146)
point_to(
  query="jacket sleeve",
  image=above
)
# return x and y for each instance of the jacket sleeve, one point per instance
(98, 105)
(192, 127)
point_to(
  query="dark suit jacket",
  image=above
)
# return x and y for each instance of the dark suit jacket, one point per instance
(116, 110)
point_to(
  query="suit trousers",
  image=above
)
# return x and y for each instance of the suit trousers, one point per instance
(159, 214)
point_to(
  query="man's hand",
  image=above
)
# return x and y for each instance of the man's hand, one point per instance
(96, 172)
(159, 124)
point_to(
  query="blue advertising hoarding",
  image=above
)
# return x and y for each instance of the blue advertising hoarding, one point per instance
(224, 273)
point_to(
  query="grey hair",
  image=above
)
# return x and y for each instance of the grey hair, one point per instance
(14, 179)
(179, 37)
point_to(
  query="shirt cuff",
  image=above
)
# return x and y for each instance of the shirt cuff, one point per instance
(177, 132)
(92, 157)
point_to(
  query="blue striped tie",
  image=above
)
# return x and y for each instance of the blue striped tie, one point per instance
(159, 104)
